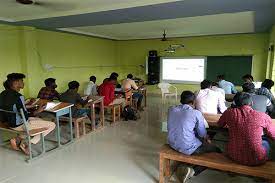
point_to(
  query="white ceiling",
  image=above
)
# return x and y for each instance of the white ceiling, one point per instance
(229, 23)
(10, 10)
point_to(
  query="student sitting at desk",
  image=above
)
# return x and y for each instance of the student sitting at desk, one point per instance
(48, 92)
(12, 100)
(259, 102)
(107, 89)
(209, 101)
(71, 96)
(265, 90)
(91, 88)
(246, 127)
(129, 84)
(248, 78)
(215, 87)
(187, 133)
(227, 86)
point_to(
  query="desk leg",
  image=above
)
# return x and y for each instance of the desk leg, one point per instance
(102, 113)
(145, 98)
(58, 130)
(71, 124)
(93, 116)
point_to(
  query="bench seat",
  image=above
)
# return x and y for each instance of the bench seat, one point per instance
(214, 161)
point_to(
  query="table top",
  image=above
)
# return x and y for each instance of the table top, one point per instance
(212, 120)
(41, 102)
(95, 99)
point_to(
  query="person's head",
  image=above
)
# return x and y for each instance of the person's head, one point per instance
(187, 97)
(248, 78)
(93, 79)
(206, 84)
(15, 81)
(220, 77)
(114, 74)
(268, 83)
(242, 98)
(113, 79)
(248, 87)
(73, 85)
(130, 76)
(50, 82)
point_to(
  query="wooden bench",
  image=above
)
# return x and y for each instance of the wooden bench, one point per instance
(77, 122)
(214, 161)
(115, 112)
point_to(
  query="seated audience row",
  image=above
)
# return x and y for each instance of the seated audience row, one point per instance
(248, 131)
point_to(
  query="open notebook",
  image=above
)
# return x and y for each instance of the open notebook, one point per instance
(51, 105)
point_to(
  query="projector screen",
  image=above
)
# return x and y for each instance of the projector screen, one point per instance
(183, 70)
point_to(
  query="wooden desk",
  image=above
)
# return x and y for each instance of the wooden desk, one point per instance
(92, 102)
(60, 110)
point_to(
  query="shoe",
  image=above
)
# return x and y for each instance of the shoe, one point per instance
(188, 174)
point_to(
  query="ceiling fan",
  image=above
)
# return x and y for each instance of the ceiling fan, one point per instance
(26, 2)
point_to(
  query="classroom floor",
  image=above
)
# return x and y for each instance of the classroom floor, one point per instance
(124, 153)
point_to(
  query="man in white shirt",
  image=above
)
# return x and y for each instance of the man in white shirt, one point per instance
(128, 84)
(91, 89)
(209, 101)
(228, 87)
(215, 87)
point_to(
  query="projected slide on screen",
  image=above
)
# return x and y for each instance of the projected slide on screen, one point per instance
(183, 70)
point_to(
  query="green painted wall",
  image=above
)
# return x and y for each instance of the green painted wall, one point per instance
(242, 44)
(75, 57)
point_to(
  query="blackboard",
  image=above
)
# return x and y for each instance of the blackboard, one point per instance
(233, 67)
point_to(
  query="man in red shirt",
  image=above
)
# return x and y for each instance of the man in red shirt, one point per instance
(248, 130)
(107, 89)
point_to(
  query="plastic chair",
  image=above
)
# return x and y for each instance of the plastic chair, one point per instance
(165, 92)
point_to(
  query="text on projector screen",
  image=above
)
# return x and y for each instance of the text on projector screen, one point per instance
(183, 69)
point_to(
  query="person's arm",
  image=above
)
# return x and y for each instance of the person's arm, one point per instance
(233, 89)
(223, 119)
(200, 127)
(112, 93)
(79, 100)
(269, 106)
(269, 127)
(221, 103)
(94, 90)
(56, 95)
(134, 85)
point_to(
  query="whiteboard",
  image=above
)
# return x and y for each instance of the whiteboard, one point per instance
(183, 70)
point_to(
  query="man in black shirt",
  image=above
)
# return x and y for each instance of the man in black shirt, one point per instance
(12, 100)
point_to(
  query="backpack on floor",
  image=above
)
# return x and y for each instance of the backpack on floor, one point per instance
(129, 113)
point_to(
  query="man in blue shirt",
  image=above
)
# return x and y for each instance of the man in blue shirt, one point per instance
(187, 133)
(228, 87)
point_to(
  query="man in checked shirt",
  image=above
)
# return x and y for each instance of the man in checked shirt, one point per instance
(248, 131)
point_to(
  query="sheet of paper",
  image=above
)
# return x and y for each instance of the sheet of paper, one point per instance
(51, 105)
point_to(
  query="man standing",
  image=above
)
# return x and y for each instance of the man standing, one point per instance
(187, 133)
(129, 84)
(48, 92)
(209, 101)
(12, 100)
(246, 127)
(228, 87)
